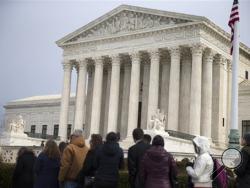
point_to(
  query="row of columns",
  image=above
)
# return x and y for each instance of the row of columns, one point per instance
(200, 97)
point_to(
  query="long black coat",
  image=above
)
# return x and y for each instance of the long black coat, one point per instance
(243, 171)
(88, 168)
(135, 154)
(23, 175)
(46, 171)
(109, 159)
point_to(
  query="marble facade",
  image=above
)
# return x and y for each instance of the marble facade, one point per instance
(133, 60)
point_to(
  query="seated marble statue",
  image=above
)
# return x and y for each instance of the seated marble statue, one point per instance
(157, 121)
(17, 126)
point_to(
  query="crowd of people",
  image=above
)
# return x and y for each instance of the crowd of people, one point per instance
(74, 165)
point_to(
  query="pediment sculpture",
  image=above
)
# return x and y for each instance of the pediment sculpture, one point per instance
(126, 21)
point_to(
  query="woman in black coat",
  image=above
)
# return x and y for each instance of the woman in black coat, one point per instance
(109, 159)
(87, 173)
(47, 166)
(23, 172)
(243, 171)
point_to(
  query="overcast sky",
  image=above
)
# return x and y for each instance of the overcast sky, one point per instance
(31, 61)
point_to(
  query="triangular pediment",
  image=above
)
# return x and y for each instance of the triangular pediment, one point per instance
(127, 19)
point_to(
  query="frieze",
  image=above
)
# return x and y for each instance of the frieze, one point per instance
(127, 21)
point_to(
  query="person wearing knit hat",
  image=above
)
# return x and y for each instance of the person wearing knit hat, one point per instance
(243, 171)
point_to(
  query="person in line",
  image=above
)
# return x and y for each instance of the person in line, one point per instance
(109, 159)
(135, 153)
(243, 171)
(158, 167)
(85, 176)
(47, 166)
(72, 159)
(202, 169)
(23, 172)
(147, 139)
(62, 146)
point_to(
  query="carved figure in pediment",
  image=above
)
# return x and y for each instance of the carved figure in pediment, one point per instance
(132, 21)
(124, 21)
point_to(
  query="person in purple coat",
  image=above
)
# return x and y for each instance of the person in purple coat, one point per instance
(47, 166)
(158, 168)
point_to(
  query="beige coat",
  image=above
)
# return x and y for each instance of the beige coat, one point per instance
(72, 159)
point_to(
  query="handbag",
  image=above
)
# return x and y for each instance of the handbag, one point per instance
(88, 181)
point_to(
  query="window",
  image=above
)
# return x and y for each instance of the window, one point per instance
(245, 126)
(223, 122)
(44, 131)
(56, 130)
(33, 129)
(246, 75)
(69, 130)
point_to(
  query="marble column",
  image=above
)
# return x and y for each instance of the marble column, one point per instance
(145, 92)
(107, 94)
(134, 93)
(195, 96)
(91, 73)
(174, 87)
(217, 98)
(97, 96)
(165, 76)
(80, 96)
(185, 83)
(125, 100)
(153, 94)
(206, 93)
(63, 123)
(114, 94)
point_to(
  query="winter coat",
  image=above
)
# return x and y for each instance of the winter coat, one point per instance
(203, 165)
(88, 168)
(72, 159)
(109, 159)
(157, 168)
(135, 154)
(46, 172)
(243, 171)
(23, 173)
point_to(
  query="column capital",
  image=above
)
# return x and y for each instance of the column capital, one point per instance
(82, 63)
(197, 49)
(209, 55)
(154, 54)
(220, 60)
(98, 60)
(174, 51)
(135, 56)
(67, 65)
(115, 59)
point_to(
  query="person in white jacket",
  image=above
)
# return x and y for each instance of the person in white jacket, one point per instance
(203, 165)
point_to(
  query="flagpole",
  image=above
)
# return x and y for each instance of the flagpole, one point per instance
(234, 131)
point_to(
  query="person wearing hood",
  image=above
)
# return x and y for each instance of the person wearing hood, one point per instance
(243, 171)
(158, 168)
(202, 169)
(109, 159)
(72, 159)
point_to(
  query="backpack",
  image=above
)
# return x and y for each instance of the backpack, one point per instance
(219, 176)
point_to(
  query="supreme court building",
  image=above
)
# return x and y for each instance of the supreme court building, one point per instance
(133, 60)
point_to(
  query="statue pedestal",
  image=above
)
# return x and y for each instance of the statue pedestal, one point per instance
(18, 139)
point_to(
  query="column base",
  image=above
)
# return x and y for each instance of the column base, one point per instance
(234, 137)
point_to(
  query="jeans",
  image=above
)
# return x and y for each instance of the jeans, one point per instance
(70, 184)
